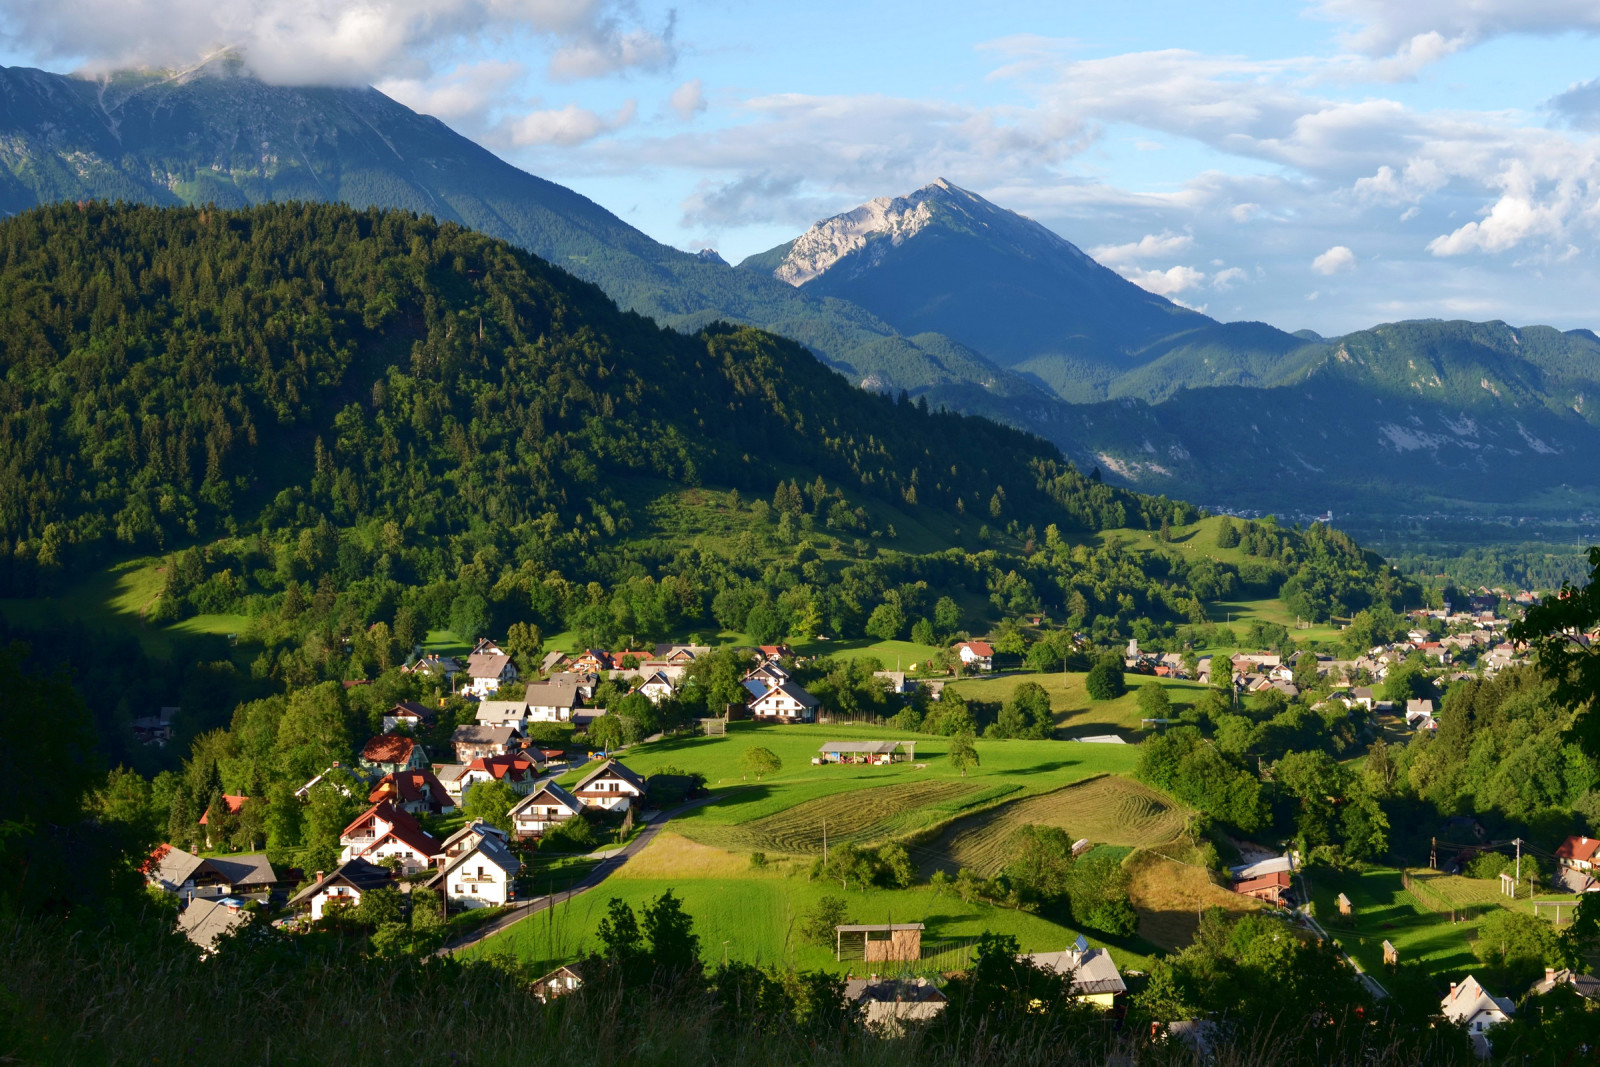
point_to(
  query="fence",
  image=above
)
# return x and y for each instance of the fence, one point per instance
(1433, 900)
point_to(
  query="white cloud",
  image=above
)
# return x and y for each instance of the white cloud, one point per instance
(1166, 282)
(1225, 280)
(1335, 260)
(1387, 27)
(333, 41)
(566, 126)
(688, 99)
(1149, 246)
(462, 96)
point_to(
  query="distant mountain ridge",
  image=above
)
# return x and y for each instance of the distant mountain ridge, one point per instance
(944, 259)
(939, 292)
(217, 135)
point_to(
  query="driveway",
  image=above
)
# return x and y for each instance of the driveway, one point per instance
(613, 859)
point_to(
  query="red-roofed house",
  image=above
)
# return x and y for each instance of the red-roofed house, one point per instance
(773, 653)
(234, 806)
(518, 770)
(1579, 853)
(976, 655)
(1269, 887)
(391, 753)
(382, 831)
(413, 792)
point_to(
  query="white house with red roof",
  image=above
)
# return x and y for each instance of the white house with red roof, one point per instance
(1580, 854)
(390, 753)
(414, 792)
(384, 831)
(976, 655)
(516, 770)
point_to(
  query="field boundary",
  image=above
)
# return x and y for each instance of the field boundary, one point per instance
(920, 838)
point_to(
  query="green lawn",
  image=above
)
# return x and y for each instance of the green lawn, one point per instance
(753, 915)
(1384, 910)
(1076, 714)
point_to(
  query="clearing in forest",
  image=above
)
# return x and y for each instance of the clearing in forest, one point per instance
(1106, 810)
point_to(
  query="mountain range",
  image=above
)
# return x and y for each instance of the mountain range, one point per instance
(938, 292)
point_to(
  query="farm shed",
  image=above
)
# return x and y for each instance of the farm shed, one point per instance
(879, 942)
(868, 751)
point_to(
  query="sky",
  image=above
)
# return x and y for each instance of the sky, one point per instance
(1326, 164)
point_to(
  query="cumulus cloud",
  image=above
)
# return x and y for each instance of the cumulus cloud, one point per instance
(333, 41)
(566, 126)
(1383, 27)
(688, 99)
(754, 198)
(1147, 247)
(1167, 282)
(1335, 260)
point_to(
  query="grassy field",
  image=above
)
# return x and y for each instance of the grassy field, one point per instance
(1169, 895)
(753, 915)
(1106, 810)
(1076, 714)
(1420, 926)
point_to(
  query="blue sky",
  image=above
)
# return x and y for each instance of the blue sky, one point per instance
(1328, 164)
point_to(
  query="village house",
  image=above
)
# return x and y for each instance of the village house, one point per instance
(414, 792)
(392, 753)
(1581, 857)
(342, 888)
(553, 700)
(233, 805)
(680, 655)
(591, 661)
(1586, 986)
(519, 771)
(1274, 888)
(542, 810)
(561, 981)
(1469, 1004)
(891, 1004)
(155, 729)
(187, 876)
(203, 921)
(1095, 978)
(976, 655)
(472, 741)
(774, 653)
(512, 713)
(783, 702)
(482, 875)
(767, 674)
(657, 688)
(383, 832)
(439, 668)
(488, 668)
(466, 839)
(409, 715)
(551, 661)
(611, 786)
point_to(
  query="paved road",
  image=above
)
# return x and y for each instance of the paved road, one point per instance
(613, 859)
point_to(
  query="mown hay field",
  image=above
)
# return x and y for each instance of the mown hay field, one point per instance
(1106, 810)
(859, 816)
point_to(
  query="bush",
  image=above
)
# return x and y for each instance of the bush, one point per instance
(818, 921)
(1105, 681)
(573, 835)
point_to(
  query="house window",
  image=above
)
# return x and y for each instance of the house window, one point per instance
(474, 887)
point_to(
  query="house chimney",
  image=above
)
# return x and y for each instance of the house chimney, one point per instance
(1549, 974)
(318, 877)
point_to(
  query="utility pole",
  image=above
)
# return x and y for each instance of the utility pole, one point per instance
(824, 842)
(1519, 859)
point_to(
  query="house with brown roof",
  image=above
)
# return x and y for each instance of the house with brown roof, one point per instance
(517, 770)
(773, 653)
(472, 740)
(611, 787)
(976, 655)
(343, 888)
(410, 715)
(231, 804)
(391, 753)
(543, 810)
(554, 700)
(784, 702)
(488, 668)
(414, 792)
(1274, 888)
(383, 832)
(203, 921)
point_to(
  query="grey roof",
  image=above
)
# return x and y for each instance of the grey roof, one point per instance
(487, 664)
(177, 867)
(203, 921)
(359, 873)
(247, 870)
(794, 693)
(892, 990)
(501, 710)
(875, 748)
(552, 694)
(877, 927)
(1092, 969)
(489, 847)
(478, 734)
(551, 659)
